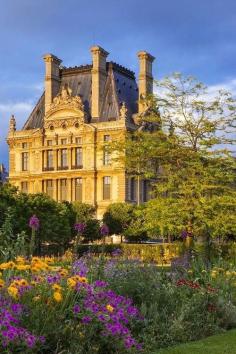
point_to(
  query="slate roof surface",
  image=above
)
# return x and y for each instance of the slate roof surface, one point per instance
(120, 87)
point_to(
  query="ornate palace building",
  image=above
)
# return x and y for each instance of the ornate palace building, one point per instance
(61, 149)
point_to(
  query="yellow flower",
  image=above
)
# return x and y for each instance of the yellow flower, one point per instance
(20, 260)
(13, 291)
(56, 287)
(190, 271)
(71, 282)
(2, 283)
(23, 282)
(63, 272)
(83, 280)
(214, 274)
(57, 296)
(110, 308)
(22, 267)
(8, 265)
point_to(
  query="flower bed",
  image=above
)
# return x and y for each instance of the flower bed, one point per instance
(111, 304)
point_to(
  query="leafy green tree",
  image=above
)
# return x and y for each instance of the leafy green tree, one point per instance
(83, 211)
(92, 231)
(192, 171)
(118, 217)
(137, 228)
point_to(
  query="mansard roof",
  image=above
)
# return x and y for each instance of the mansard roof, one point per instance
(120, 87)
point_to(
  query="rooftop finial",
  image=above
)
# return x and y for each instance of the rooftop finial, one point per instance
(12, 126)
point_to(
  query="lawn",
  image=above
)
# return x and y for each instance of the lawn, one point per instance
(218, 344)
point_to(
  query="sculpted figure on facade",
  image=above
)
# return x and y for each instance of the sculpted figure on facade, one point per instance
(123, 112)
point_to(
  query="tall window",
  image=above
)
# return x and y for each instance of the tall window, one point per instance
(79, 157)
(145, 190)
(49, 142)
(50, 159)
(63, 189)
(49, 187)
(63, 141)
(132, 188)
(107, 187)
(25, 161)
(106, 153)
(64, 158)
(24, 187)
(78, 189)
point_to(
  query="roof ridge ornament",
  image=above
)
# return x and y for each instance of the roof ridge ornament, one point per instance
(64, 99)
(12, 125)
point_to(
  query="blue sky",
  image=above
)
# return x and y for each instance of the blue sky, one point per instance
(193, 37)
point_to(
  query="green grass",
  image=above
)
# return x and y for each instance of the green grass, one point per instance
(218, 344)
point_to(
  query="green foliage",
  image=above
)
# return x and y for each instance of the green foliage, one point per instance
(118, 217)
(84, 212)
(92, 231)
(56, 219)
(192, 173)
(11, 246)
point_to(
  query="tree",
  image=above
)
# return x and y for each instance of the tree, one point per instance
(92, 231)
(84, 211)
(118, 217)
(137, 228)
(192, 172)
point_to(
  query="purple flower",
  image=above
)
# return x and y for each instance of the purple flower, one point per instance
(34, 222)
(116, 253)
(80, 227)
(104, 230)
(86, 319)
(76, 309)
(184, 234)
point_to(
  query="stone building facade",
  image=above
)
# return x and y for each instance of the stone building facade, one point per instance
(61, 149)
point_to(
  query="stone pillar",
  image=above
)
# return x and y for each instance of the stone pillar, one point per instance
(58, 190)
(55, 159)
(145, 76)
(54, 184)
(72, 189)
(52, 78)
(99, 75)
(69, 189)
(69, 158)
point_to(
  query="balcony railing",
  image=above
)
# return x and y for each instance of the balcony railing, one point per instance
(60, 168)
(76, 167)
(48, 169)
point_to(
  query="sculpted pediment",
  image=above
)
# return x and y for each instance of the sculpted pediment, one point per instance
(65, 111)
(66, 104)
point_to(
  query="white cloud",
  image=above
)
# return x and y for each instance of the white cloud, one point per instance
(16, 107)
(229, 85)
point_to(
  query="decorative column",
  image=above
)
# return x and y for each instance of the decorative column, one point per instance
(54, 184)
(69, 190)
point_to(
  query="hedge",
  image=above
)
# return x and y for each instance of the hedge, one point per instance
(159, 253)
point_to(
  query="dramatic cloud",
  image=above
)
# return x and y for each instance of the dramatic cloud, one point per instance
(21, 110)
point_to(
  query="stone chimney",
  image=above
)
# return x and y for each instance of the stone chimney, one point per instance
(52, 78)
(99, 76)
(145, 76)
